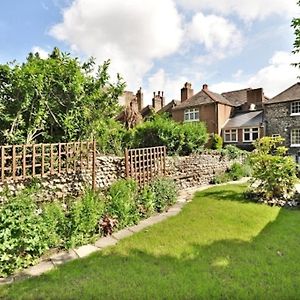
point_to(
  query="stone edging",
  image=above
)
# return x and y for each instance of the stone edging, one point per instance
(83, 251)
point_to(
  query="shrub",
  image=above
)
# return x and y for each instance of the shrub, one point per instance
(274, 172)
(165, 193)
(121, 202)
(22, 234)
(216, 142)
(83, 219)
(55, 221)
(232, 151)
(146, 202)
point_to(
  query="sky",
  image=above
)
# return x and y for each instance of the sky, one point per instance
(161, 44)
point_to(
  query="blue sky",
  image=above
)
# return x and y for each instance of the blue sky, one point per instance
(161, 44)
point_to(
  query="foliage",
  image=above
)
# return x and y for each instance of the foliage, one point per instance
(121, 202)
(165, 193)
(55, 99)
(146, 202)
(160, 130)
(273, 171)
(296, 25)
(216, 142)
(232, 151)
(23, 234)
(55, 221)
(83, 218)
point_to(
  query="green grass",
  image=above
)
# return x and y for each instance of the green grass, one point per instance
(219, 247)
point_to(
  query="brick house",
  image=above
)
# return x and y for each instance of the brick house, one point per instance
(282, 117)
(237, 115)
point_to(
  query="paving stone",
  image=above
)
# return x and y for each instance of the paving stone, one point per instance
(86, 250)
(142, 225)
(122, 234)
(63, 257)
(105, 242)
(6, 280)
(39, 269)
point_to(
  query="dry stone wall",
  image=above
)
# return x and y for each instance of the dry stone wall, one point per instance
(189, 171)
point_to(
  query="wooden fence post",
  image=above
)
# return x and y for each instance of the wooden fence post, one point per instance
(94, 166)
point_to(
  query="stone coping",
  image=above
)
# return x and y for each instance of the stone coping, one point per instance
(65, 256)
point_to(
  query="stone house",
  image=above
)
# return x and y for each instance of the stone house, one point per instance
(282, 117)
(237, 115)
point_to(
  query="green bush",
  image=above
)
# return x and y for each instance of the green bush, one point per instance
(83, 219)
(272, 169)
(23, 235)
(55, 221)
(232, 151)
(121, 202)
(181, 139)
(165, 193)
(216, 142)
(146, 202)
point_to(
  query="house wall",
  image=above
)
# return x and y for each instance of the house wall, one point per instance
(279, 121)
(224, 112)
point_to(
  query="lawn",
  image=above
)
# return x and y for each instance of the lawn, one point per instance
(219, 247)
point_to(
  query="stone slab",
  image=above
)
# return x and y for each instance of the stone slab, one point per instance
(6, 280)
(105, 242)
(85, 250)
(63, 257)
(122, 234)
(39, 269)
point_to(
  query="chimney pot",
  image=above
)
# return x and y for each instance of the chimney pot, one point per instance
(205, 87)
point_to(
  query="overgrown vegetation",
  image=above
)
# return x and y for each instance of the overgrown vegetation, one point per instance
(27, 230)
(216, 142)
(274, 173)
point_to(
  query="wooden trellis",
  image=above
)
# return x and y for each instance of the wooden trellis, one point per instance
(144, 164)
(41, 160)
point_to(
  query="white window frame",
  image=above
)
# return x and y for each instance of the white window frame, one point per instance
(190, 115)
(295, 108)
(291, 136)
(231, 132)
(251, 131)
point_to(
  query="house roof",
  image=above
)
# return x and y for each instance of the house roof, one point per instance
(169, 106)
(203, 97)
(248, 119)
(290, 94)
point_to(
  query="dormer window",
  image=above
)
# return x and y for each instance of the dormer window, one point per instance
(295, 108)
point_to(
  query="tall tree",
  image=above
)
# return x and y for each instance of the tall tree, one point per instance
(296, 26)
(55, 99)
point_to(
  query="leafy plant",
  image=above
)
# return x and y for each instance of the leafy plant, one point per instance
(23, 234)
(121, 202)
(216, 142)
(83, 218)
(273, 172)
(165, 193)
(146, 202)
(232, 152)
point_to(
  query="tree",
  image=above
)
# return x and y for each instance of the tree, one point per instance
(55, 99)
(296, 26)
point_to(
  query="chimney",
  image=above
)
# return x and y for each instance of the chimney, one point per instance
(158, 101)
(140, 99)
(254, 99)
(205, 87)
(186, 92)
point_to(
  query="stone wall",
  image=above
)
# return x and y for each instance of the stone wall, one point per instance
(187, 171)
(196, 170)
(279, 121)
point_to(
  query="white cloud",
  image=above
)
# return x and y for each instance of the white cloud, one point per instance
(132, 33)
(245, 9)
(278, 75)
(42, 52)
(219, 36)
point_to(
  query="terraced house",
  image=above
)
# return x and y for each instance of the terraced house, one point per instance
(237, 115)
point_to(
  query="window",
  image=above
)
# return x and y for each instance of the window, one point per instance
(295, 137)
(295, 108)
(191, 115)
(251, 134)
(230, 135)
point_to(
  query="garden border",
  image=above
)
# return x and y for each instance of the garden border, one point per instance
(65, 256)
